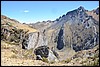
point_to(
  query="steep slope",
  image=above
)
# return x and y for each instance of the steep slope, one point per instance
(76, 22)
(14, 31)
(72, 32)
(15, 23)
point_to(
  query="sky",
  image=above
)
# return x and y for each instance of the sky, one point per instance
(34, 11)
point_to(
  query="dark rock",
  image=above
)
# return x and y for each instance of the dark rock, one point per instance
(97, 11)
(60, 43)
(43, 51)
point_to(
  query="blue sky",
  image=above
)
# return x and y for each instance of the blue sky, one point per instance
(33, 11)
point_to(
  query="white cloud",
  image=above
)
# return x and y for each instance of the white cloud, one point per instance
(26, 11)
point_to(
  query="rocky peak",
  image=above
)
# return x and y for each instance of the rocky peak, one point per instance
(97, 11)
(81, 8)
(75, 16)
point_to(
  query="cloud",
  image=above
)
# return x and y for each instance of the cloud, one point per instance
(26, 11)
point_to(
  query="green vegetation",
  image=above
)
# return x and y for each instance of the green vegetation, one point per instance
(14, 51)
(95, 63)
(4, 47)
(52, 62)
(66, 61)
(12, 43)
(8, 23)
(13, 56)
(28, 53)
(84, 61)
(45, 60)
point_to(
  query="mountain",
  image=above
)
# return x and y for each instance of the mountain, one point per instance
(71, 32)
(63, 38)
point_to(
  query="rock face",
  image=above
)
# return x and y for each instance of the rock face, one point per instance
(30, 40)
(52, 57)
(34, 39)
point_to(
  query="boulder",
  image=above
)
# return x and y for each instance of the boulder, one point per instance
(44, 52)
